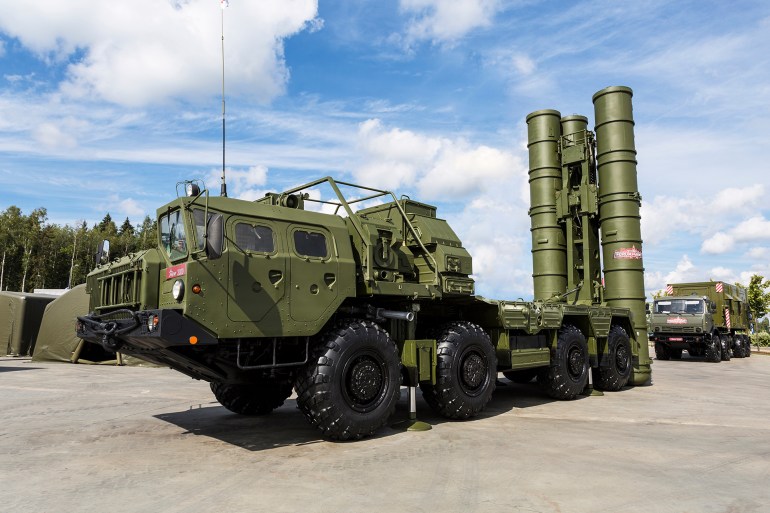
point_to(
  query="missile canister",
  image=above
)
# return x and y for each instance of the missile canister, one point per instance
(549, 249)
(573, 124)
(619, 220)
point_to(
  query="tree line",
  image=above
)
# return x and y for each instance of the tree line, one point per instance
(36, 254)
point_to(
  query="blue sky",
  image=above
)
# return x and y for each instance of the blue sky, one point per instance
(105, 106)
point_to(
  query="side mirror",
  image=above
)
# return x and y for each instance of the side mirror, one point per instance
(215, 236)
(103, 252)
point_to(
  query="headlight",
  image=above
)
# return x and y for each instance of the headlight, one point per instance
(178, 290)
(152, 322)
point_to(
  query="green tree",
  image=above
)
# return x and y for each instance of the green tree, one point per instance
(126, 228)
(31, 231)
(147, 234)
(758, 297)
(107, 226)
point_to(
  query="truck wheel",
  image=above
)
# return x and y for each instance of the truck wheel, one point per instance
(747, 346)
(726, 343)
(568, 374)
(662, 352)
(676, 354)
(351, 384)
(738, 347)
(466, 371)
(521, 376)
(252, 399)
(714, 349)
(615, 376)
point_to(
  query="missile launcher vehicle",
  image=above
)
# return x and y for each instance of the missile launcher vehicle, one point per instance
(709, 319)
(347, 299)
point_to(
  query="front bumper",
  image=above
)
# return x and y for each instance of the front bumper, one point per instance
(128, 331)
(678, 341)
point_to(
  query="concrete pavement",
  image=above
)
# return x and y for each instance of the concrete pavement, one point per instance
(77, 438)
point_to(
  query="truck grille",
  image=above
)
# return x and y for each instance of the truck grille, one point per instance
(680, 329)
(119, 289)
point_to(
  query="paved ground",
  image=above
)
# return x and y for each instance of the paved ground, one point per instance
(76, 438)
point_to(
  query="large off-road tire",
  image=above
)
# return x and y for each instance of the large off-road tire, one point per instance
(616, 374)
(521, 376)
(662, 351)
(568, 374)
(466, 371)
(254, 398)
(676, 354)
(747, 346)
(738, 347)
(714, 349)
(351, 384)
(726, 343)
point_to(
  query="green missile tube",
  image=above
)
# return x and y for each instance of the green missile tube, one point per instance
(549, 247)
(573, 124)
(619, 219)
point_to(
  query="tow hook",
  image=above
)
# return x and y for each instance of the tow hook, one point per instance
(110, 344)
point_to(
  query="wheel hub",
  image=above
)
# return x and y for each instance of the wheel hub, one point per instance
(474, 370)
(576, 363)
(621, 359)
(365, 381)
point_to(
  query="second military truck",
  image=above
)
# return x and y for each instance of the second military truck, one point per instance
(345, 305)
(710, 319)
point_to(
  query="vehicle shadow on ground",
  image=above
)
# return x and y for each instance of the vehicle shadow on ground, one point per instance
(287, 426)
(11, 369)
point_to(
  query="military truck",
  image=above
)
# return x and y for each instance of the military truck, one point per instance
(710, 319)
(347, 298)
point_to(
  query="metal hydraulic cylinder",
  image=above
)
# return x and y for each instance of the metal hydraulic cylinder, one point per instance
(549, 249)
(619, 219)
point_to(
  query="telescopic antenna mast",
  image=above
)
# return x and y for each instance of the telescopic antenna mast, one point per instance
(223, 189)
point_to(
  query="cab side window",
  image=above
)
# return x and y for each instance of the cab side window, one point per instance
(254, 238)
(310, 244)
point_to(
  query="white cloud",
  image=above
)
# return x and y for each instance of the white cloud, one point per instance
(51, 136)
(753, 229)
(685, 271)
(709, 216)
(148, 51)
(718, 244)
(131, 208)
(245, 184)
(446, 20)
(523, 64)
(759, 253)
(440, 168)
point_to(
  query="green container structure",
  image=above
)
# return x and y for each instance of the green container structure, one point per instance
(619, 219)
(549, 247)
(20, 317)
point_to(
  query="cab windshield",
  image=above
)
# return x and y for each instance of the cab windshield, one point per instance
(679, 306)
(172, 235)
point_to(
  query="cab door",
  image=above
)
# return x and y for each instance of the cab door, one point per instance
(257, 264)
(314, 268)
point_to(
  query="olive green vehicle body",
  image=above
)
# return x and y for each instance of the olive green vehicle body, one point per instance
(346, 299)
(397, 257)
(692, 315)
